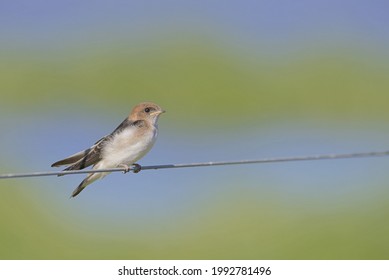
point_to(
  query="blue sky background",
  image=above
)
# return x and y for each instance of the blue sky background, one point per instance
(272, 25)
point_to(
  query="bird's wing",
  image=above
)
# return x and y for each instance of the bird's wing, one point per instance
(122, 126)
(70, 160)
(89, 156)
(84, 158)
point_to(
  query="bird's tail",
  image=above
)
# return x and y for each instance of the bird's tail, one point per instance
(87, 181)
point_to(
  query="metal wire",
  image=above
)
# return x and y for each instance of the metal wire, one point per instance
(201, 164)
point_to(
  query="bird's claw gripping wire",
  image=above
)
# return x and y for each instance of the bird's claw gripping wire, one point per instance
(126, 168)
(136, 168)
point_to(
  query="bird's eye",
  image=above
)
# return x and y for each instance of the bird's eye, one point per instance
(147, 110)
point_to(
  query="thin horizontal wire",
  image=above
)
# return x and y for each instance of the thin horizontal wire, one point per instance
(201, 164)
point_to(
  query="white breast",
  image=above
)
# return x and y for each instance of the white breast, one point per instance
(127, 146)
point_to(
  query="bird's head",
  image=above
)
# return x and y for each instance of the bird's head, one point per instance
(146, 111)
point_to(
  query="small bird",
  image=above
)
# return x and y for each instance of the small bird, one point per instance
(129, 142)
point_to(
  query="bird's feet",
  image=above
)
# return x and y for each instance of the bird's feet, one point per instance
(136, 168)
(126, 168)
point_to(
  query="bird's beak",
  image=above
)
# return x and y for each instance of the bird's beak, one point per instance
(158, 112)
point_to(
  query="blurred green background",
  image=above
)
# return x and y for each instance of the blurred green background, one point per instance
(239, 80)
